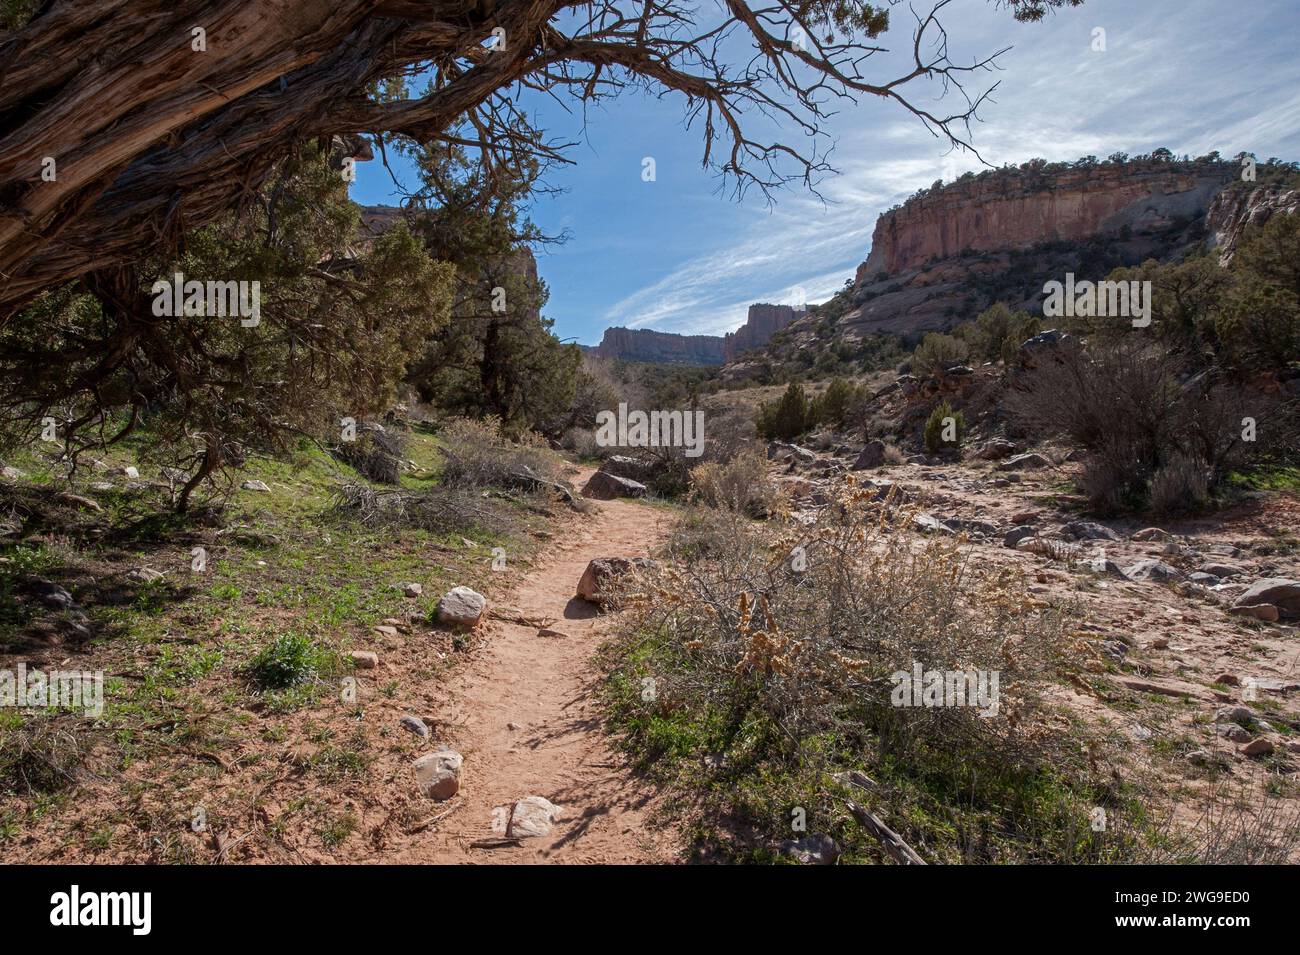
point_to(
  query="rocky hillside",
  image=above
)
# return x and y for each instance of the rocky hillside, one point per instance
(951, 251)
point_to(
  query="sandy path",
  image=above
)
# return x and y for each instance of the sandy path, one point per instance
(546, 687)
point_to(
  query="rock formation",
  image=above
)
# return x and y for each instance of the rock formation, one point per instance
(1019, 209)
(647, 345)
(761, 323)
(1236, 209)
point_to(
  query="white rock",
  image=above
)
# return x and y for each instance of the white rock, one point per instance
(461, 607)
(532, 816)
(816, 849)
(1149, 569)
(438, 773)
(255, 486)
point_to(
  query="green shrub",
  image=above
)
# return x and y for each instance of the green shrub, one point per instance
(292, 659)
(944, 421)
(787, 417)
(937, 352)
(832, 406)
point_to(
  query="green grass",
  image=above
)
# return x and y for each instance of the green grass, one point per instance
(225, 663)
(291, 660)
(1268, 479)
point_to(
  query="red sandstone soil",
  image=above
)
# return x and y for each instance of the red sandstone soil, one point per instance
(546, 687)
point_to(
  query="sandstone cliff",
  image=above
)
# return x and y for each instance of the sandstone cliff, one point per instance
(761, 323)
(1237, 209)
(648, 345)
(1018, 209)
(950, 252)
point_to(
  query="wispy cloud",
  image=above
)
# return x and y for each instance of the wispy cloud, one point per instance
(1211, 77)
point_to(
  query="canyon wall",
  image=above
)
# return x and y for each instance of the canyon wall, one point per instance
(1236, 210)
(648, 345)
(1018, 209)
(951, 251)
(761, 323)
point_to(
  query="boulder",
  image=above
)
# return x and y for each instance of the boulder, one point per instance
(634, 469)
(1281, 593)
(1221, 570)
(995, 450)
(460, 607)
(1102, 565)
(410, 589)
(1088, 531)
(253, 486)
(604, 486)
(789, 453)
(928, 524)
(872, 456)
(817, 849)
(1014, 536)
(144, 575)
(413, 724)
(438, 773)
(1257, 747)
(364, 659)
(604, 571)
(532, 816)
(11, 473)
(1022, 462)
(1265, 612)
(1152, 569)
(1241, 715)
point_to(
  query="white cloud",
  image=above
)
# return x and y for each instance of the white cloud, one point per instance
(1206, 78)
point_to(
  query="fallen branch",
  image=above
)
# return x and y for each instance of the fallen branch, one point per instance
(892, 842)
(421, 826)
(495, 843)
(532, 482)
(511, 615)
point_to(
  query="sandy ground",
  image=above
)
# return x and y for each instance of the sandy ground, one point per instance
(525, 716)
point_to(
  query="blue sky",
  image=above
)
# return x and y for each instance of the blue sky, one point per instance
(675, 255)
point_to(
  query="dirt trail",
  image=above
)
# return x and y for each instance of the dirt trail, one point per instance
(546, 687)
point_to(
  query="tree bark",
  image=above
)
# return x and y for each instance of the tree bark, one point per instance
(150, 136)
